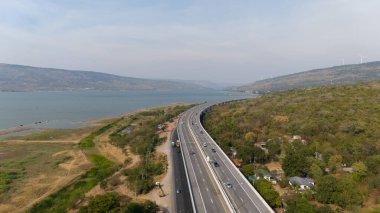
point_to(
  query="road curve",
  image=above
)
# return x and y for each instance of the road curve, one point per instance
(214, 189)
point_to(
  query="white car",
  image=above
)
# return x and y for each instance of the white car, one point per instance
(205, 144)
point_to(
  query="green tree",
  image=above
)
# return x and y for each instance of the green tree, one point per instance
(109, 202)
(248, 170)
(300, 205)
(359, 170)
(335, 163)
(325, 209)
(326, 188)
(315, 171)
(266, 190)
(348, 193)
(373, 164)
(274, 148)
(295, 162)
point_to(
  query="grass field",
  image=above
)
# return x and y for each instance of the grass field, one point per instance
(56, 134)
(29, 171)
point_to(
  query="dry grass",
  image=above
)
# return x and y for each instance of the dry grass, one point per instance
(43, 167)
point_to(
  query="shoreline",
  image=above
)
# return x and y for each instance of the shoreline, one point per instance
(95, 122)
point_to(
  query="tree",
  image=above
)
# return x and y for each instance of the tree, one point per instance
(359, 170)
(266, 190)
(348, 193)
(146, 207)
(107, 202)
(325, 209)
(248, 170)
(315, 171)
(335, 163)
(274, 148)
(250, 136)
(295, 161)
(300, 205)
(326, 188)
(373, 164)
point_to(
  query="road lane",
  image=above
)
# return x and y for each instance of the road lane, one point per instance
(241, 197)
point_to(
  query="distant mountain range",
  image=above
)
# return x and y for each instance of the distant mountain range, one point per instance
(27, 78)
(333, 75)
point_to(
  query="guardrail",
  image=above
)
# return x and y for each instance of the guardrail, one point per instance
(236, 169)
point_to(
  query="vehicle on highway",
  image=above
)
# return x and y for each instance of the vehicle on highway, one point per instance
(216, 164)
(178, 191)
(229, 185)
(201, 132)
(213, 150)
(192, 153)
(205, 144)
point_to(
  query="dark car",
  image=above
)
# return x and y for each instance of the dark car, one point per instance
(216, 164)
(213, 150)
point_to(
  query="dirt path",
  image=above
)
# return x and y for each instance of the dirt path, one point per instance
(167, 179)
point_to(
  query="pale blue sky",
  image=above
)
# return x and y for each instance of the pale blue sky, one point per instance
(236, 41)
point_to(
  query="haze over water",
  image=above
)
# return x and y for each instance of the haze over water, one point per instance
(67, 109)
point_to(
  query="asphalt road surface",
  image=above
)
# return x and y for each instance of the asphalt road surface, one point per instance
(215, 187)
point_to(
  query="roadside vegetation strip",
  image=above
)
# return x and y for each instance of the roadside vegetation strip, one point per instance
(88, 141)
(139, 132)
(329, 133)
(69, 195)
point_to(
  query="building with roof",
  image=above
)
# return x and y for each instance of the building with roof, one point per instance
(303, 183)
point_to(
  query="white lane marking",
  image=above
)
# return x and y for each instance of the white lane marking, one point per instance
(192, 167)
(204, 180)
(211, 201)
(241, 199)
(207, 189)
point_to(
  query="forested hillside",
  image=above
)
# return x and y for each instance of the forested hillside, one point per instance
(320, 132)
(332, 75)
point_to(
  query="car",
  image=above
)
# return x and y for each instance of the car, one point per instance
(192, 153)
(216, 164)
(201, 132)
(229, 185)
(213, 150)
(178, 151)
(205, 144)
(178, 191)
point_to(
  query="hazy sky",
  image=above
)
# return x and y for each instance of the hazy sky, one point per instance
(235, 41)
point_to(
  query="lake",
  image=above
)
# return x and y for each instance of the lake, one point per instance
(68, 109)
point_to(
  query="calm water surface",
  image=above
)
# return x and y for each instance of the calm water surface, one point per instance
(67, 109)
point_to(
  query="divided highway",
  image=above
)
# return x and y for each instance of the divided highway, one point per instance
(215, 184)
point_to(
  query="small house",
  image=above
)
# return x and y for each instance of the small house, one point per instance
(303, 183)
(262, 173)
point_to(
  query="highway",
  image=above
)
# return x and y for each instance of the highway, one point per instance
(182, 201)
(213, 188)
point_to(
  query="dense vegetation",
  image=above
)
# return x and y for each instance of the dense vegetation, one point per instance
(69, 195)
(339, 126)
(88, 141)
(139, 132)
(265, 188)
(113, 202)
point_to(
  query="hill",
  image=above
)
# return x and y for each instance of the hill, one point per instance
(332, 75)
(329, 133)
(27, 78)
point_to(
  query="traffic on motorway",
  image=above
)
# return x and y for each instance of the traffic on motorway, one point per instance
(216, 185)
